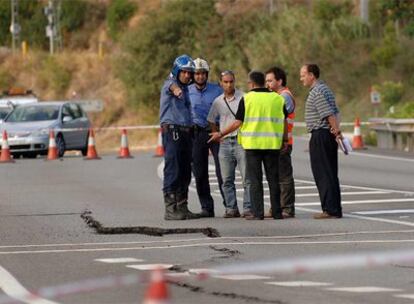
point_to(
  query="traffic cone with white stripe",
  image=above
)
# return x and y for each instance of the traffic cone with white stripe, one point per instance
(157, 292)
(124, 151)
(357, 143)
(91, 153)
(159, 150)
(52, 152)
(5, 150)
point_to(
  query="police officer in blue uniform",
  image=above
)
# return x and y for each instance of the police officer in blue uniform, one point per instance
(202, 95)
(176, 124)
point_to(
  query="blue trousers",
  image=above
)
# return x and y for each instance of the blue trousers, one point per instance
(177, 161)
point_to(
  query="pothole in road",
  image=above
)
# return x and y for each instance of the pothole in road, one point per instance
(152, 231)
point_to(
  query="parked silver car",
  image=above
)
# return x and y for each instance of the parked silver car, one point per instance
(28, 128)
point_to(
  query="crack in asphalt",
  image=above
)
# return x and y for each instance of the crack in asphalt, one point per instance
(231, 295)
(152, 231)
(228, 252)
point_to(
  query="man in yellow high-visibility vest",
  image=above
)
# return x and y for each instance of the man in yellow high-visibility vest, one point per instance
(261, 116)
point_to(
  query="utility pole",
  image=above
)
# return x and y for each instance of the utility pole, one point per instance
(364, 10)
(15, 26)
(52, 12)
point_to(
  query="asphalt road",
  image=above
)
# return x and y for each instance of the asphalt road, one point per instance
(44, 242)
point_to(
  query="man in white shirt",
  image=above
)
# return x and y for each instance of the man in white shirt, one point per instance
(231, 153)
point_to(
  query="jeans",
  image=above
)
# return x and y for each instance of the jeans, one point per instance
(270, 160)
(200, 168)
(286, 182)
(231, 155)
(323, 151)
(177, 158)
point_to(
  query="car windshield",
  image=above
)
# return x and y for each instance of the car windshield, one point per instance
(34, 113)
(4, 112)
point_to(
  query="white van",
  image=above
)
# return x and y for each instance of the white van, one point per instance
(13, 98)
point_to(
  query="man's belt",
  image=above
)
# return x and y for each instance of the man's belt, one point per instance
(167, 127)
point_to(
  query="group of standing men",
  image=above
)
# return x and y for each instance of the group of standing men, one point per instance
(244, 130)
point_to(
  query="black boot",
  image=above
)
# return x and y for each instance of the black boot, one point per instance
(171, 210)
(182, 206)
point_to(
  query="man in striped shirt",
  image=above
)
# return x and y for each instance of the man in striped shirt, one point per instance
(321, 117)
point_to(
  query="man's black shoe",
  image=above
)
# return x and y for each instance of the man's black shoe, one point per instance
(253, 218)
(205, 213)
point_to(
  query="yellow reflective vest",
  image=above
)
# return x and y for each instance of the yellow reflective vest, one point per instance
(263, 123)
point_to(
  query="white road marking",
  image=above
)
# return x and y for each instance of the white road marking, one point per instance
(299, 284)
(405, 296)
(394, 211)
(364, 289)
(239, 243)
(360, 187)
(15, 290)
(197, 271)
(296, 236)
(120, 260)
(150, 266)
(241, 277)
(383, 157)
(376, 201)
(361, 217)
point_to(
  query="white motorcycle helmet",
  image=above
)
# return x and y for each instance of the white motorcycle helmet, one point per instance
(201, 65)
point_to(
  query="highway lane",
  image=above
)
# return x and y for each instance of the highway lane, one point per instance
(44, 242)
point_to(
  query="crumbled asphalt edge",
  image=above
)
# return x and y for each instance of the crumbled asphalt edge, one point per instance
(152, 231)
(229, 295)
(229, 253)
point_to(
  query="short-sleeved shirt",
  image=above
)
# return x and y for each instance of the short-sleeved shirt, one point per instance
(201, 101)
(289, 104)
(220, 110)
(241, 109)
(174, 110)
(320, 104)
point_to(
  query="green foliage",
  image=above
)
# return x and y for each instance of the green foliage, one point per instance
(328, 10)
(55, 76)
(370, 138)
(179, 27)
(73, 15)
(5, 36)
(118, 14)
(391, 92)
(405, 110)
(384, 54)
(409, 29)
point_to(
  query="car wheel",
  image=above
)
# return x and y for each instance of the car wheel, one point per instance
(84, 150)
(29, 155)
(60, 145)
(16, 155)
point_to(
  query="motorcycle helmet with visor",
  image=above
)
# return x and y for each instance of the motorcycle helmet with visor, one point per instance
(182, 63)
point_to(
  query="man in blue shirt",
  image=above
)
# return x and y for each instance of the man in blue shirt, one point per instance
(176, 124)
(202, 95)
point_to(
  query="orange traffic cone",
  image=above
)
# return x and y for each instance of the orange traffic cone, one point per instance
(52, 152)
(357, 143)
(5, 150)
(91, 153)
(124, 151)
(159, 150)
(157, 292)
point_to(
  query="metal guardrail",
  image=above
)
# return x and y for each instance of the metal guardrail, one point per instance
(396, 134)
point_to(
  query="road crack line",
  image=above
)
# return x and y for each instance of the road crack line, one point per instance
(230, 295)
(152, 231)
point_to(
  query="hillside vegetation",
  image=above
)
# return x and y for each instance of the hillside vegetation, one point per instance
(140, 39)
